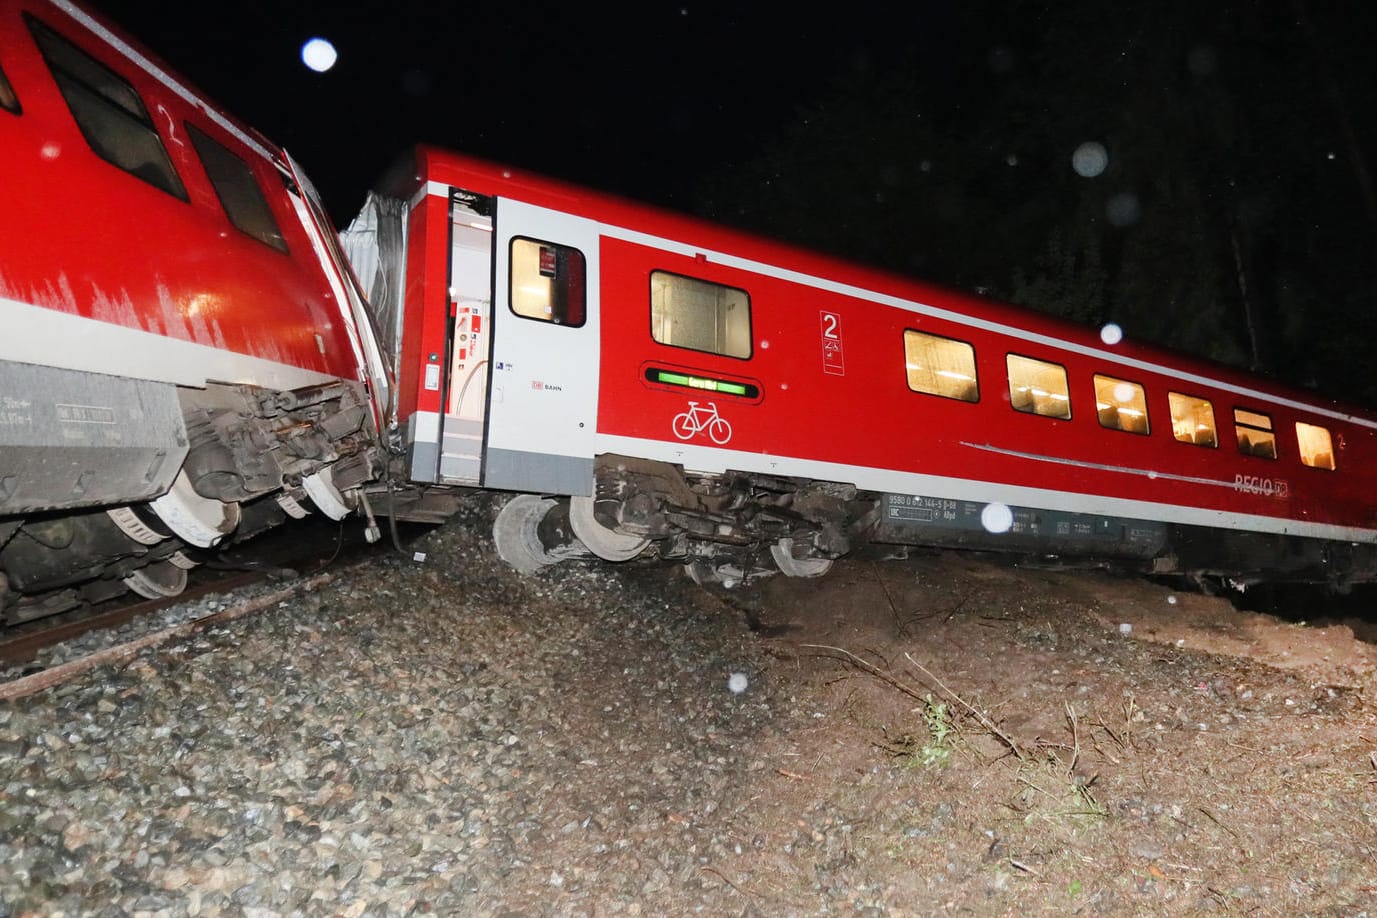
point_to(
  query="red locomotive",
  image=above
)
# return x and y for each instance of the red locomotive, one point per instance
(182, 353)
(747, 406)
(189, 361)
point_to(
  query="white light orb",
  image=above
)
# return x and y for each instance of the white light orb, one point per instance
(319, 55)
(1111, 333)
(737, 683)
(1090, 159)
(1124, 393)
(997, 518)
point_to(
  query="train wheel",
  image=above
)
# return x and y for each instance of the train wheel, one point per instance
(197, 520)
(607, 544)
(789, 566)
(157, 581)
(516, 534)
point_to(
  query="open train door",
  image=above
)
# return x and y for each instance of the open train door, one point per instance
(543, 404)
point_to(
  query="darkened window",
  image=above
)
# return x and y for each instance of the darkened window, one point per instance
(1255, 436)
(1192, 420)
(238, 190)
(548, 282)
(1122, 405)
(940, 366)
(1316, 446)
(109, 112)
(700, 315)
(1038, 387)
(7, 97)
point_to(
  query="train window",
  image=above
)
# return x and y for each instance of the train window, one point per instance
(1122, 405)
(1316, 446)
(1192, 420)
(1255, 436)
(1038, 387)
(237, 189)
(548, 282)
(8, 99)
(940, 366)
(700, 315)
(108, 111)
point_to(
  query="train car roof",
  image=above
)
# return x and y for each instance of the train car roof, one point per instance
(430, 163)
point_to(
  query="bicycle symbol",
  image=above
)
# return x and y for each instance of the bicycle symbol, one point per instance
(696, 419)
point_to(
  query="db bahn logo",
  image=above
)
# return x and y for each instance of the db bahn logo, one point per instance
(1268, 487)
(698, 419)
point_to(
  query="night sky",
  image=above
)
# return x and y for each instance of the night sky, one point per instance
(642, 100)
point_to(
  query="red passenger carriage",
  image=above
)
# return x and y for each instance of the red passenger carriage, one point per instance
(715, 395)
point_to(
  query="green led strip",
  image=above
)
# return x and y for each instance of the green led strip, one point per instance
(701, 382)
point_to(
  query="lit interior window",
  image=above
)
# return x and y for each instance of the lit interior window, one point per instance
(547, 282)
(1316, 446)
(700, 315)
(1192, 420)
(1122, 405)
(1255, 436)
(940, 366)
(1038, 387)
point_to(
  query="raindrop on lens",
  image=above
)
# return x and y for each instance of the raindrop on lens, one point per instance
(319, 55)
(1090, 159)
(1122, 209)
(1111, 333)
(997, 518)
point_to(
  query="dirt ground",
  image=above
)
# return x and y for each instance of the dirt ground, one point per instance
(937, 734)
(968, 737)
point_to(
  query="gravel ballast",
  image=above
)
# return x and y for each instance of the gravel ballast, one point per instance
(938, 735)
(410, 738)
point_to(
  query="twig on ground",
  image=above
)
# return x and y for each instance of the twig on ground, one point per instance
(979, 715)
(723, 877)
(913, 693)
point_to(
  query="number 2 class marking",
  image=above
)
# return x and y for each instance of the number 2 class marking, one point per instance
(833, 362)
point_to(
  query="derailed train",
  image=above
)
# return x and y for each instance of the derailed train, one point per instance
(194, 361)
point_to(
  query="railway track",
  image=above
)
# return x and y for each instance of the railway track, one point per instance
(21, 643)
(299, 559)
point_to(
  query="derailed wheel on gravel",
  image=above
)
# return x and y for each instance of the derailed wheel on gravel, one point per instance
(607, 544)
(515, 533)
(783, 553)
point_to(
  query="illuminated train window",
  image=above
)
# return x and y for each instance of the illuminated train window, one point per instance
(1316, 446)
(700, 315)
(1255, 436)
(1122, 405)
(237, 189)
(940, 366)
(7, 97)
(108, 111)
(548, 282)
(1038, 387)
(1192, 420)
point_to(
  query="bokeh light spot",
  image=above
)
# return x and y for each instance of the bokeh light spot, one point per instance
(1090, 159)
(319, 55)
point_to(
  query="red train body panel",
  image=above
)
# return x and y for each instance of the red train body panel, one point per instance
(78, 223)
(821, 393)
